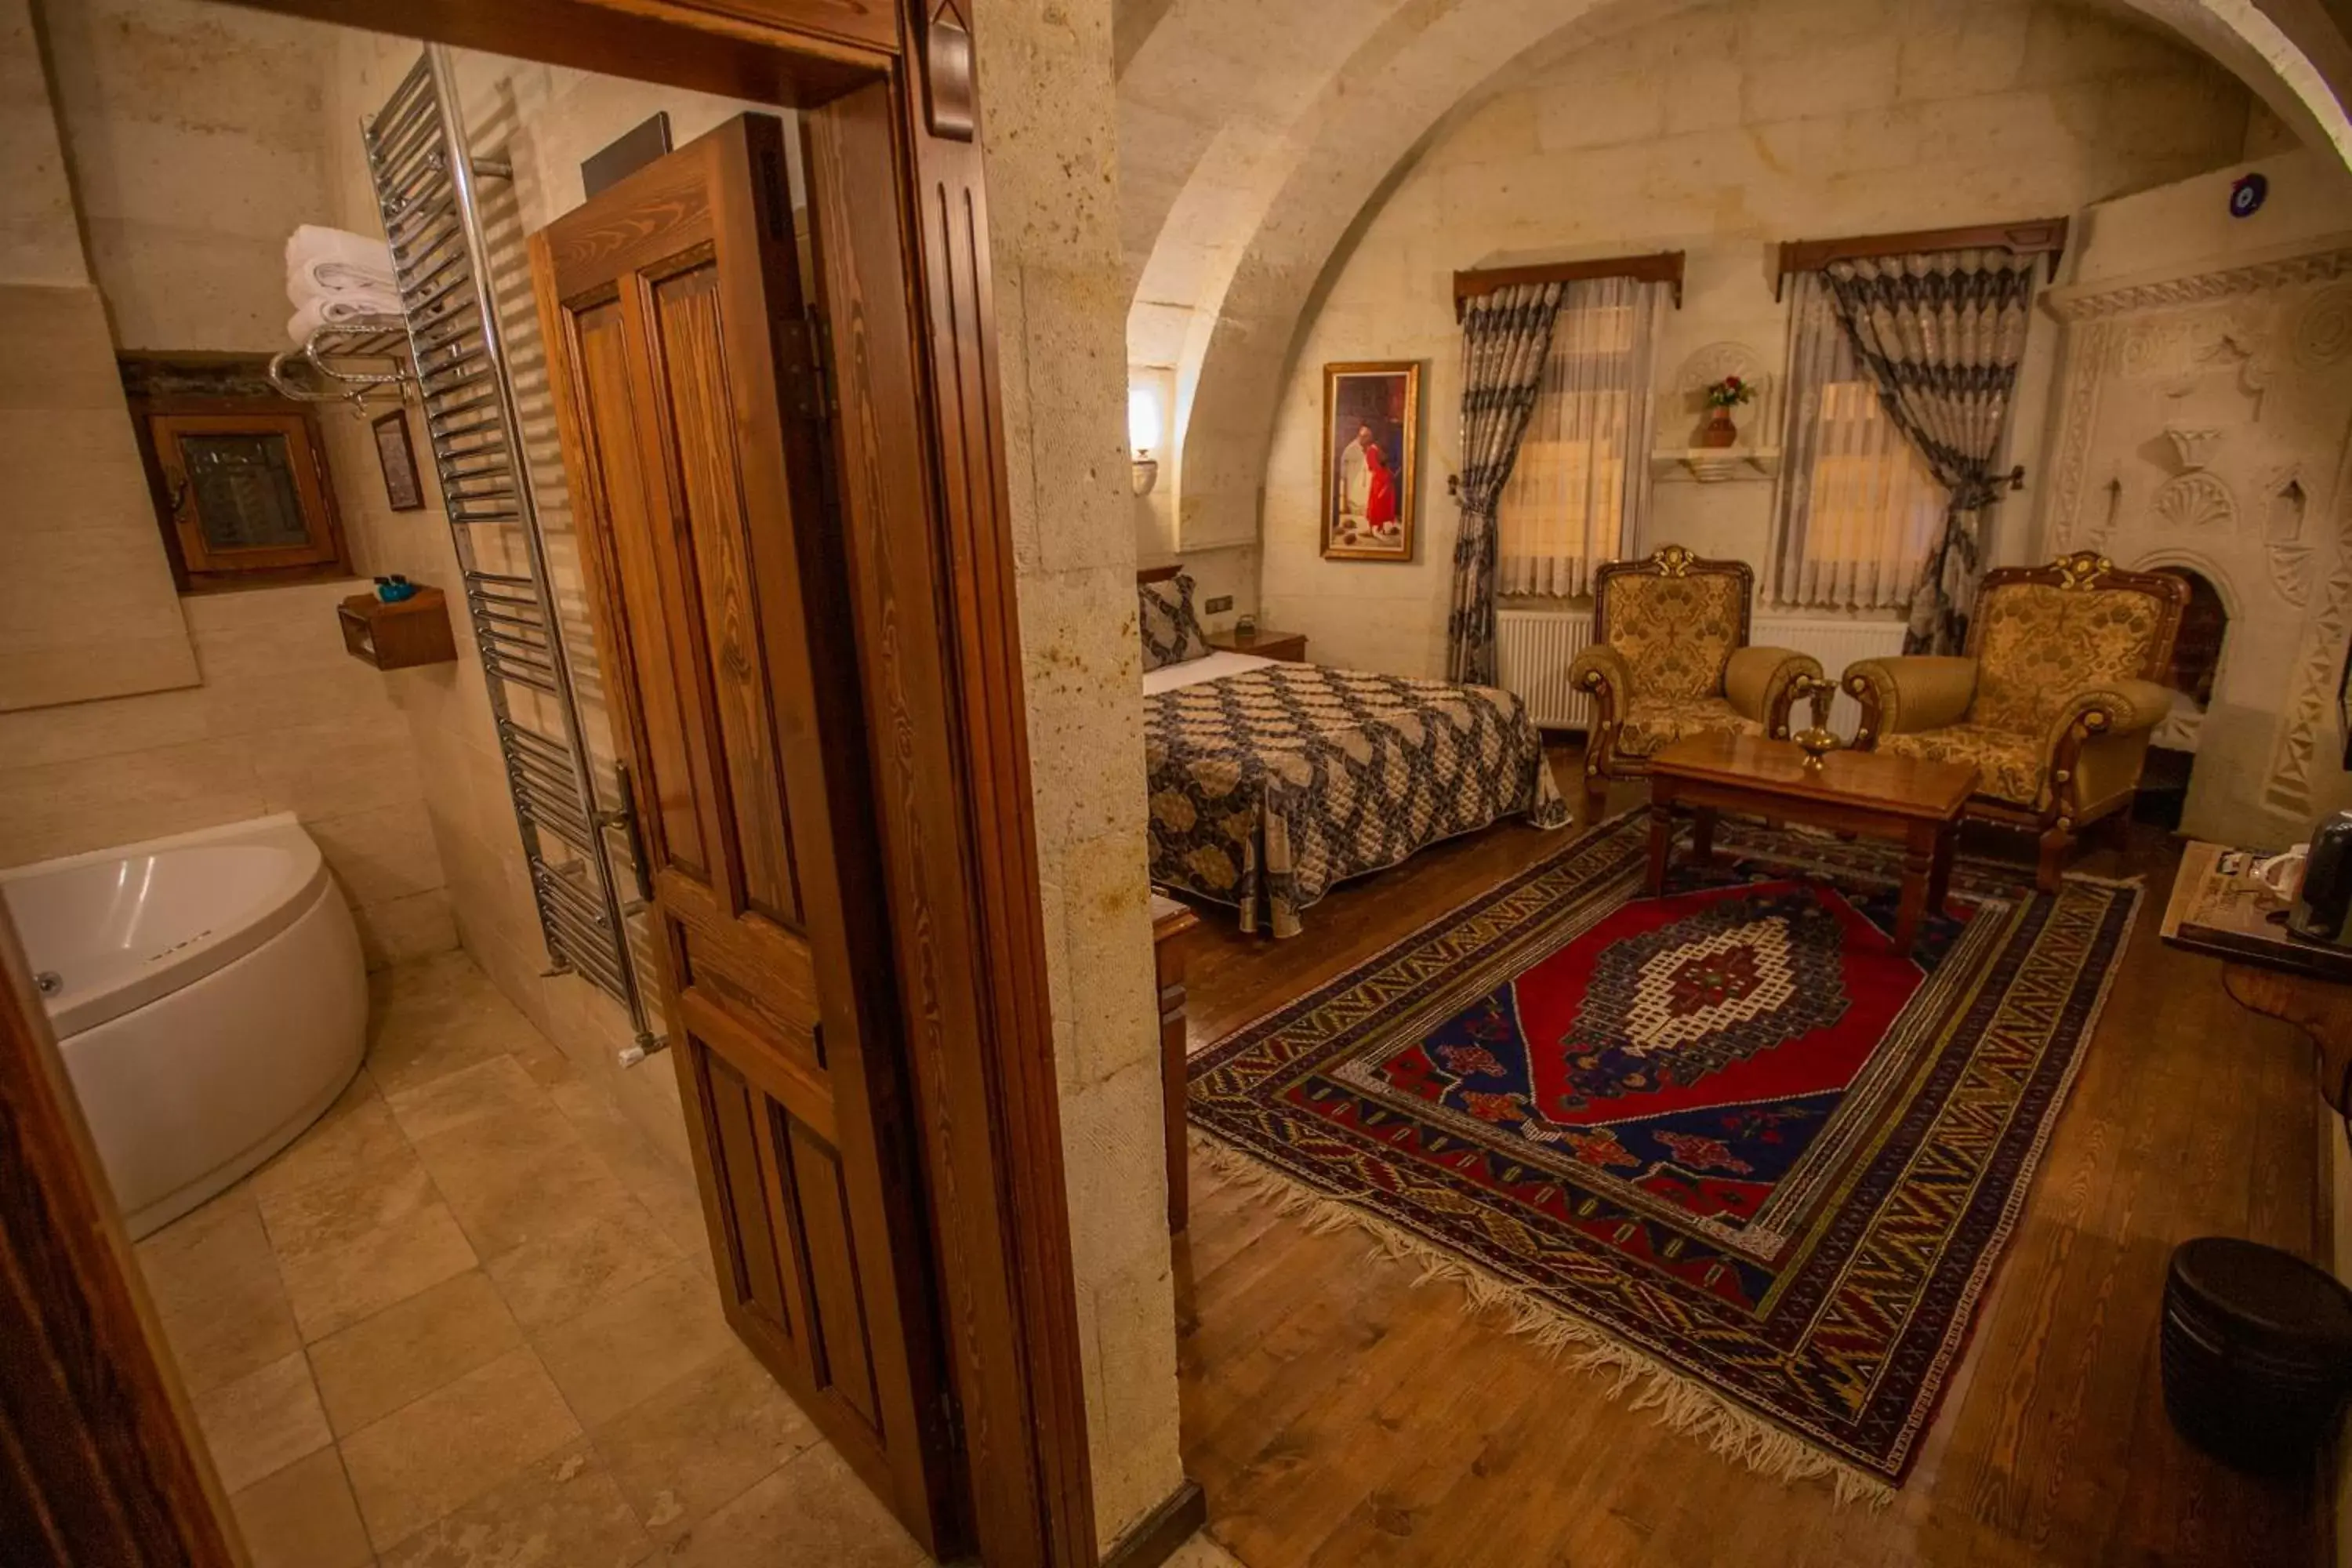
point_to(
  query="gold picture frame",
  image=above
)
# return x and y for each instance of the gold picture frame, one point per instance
(1371, 460)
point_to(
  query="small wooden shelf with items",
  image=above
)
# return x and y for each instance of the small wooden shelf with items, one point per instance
(1290, 648)
(398, 633)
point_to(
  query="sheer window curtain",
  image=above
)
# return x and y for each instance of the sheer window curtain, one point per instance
(1577, 496)
(1858, 507)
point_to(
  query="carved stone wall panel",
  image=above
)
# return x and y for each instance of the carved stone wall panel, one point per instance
(2203, 421)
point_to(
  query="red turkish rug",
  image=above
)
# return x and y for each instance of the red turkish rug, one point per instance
(1725, 1139)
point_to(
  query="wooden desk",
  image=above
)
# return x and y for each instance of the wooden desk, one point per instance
(1915, 803)
(1170, 921)
(1289, 647)
(2218, 908)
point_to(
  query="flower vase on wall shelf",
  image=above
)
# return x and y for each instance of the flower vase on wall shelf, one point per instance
(1722, 398)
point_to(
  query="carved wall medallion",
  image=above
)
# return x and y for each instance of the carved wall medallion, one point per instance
(2322, 328)
(2195, 501)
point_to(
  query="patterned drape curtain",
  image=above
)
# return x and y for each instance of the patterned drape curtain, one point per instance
(1856, 511)
(1505, 336)
(1581, 485)
(1940, 334)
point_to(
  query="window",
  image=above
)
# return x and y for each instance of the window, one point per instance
(1858, 509)
(238, 475)
(1581, 481)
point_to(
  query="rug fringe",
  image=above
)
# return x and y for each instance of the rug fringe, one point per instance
(1682, 1404)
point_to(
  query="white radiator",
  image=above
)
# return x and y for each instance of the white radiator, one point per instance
(1837, 642)
(1533, 649)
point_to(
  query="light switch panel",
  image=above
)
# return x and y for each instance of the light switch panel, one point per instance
(1218, 606)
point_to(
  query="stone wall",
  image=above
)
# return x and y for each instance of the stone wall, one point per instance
(1046, 84)
(1719, 133)
(193, 140)
(86, 606)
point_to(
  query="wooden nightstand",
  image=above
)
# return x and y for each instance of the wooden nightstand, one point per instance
(1289, 647)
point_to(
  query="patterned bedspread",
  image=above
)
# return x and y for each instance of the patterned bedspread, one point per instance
(1269, 786)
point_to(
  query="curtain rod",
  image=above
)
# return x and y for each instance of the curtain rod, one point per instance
(2040, 236)
(1659, 267)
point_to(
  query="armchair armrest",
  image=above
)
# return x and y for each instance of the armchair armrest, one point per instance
(1909, 692)
(2114, 707)
(1763, 683)
(1602, 672)
(2097, 744)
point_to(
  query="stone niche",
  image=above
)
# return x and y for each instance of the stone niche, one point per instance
(2203, 424)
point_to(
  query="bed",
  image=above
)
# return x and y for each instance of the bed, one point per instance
(1270, 783)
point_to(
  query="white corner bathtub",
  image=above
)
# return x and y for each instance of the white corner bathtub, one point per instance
(208, 996)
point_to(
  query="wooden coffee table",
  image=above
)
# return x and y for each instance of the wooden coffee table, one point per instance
(1917, 803)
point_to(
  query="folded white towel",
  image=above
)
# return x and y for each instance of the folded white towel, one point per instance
(342, 308)
(325, 259)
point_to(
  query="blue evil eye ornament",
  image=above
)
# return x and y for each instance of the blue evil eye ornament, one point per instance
(2247, 194)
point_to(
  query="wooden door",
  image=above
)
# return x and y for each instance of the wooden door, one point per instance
(690, 407)
(246, 492)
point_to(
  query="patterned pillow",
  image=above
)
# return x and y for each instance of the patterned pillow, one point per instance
(1171, 632)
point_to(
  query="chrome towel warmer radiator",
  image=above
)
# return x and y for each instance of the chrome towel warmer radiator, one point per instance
(424, 187)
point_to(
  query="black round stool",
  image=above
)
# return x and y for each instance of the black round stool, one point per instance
(2257, 1351)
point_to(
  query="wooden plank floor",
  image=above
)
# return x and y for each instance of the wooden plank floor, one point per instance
(1339, 1412)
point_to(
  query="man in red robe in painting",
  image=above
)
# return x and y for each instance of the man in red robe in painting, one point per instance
(1379, 491)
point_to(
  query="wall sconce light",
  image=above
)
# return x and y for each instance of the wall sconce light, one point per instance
(1142, 436)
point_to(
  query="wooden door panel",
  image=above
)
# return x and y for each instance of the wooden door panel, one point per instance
(845, 1366)
(777, 1000)
(696, 414)
(648, 683)
(671, 306)
(758, 1263)
(789, 1244)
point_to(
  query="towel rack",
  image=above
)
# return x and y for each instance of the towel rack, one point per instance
(356, 360)
(458, 355)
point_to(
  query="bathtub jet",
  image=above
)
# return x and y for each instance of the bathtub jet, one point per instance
(208, 996)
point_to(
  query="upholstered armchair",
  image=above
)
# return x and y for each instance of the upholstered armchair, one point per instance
(1670, 658)
(2053, 702)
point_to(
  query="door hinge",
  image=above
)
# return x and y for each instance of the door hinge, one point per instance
(951, 1416)
(808, 380)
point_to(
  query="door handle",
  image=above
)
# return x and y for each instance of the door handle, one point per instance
(624, 818)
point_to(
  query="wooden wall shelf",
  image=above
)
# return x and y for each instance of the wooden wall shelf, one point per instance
(396, 636)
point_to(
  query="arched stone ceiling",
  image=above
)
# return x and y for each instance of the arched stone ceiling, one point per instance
(1254, 137)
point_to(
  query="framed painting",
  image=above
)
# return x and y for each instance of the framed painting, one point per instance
(1371, 460)
(403, 487)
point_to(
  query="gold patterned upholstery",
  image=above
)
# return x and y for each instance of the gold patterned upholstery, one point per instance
(1677, 633)
(2053, 703)
(1669, 658)
(2011, 766)
(2039, 645)
(1649, 725)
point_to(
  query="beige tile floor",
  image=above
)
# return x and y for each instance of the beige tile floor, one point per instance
(468, 1320)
